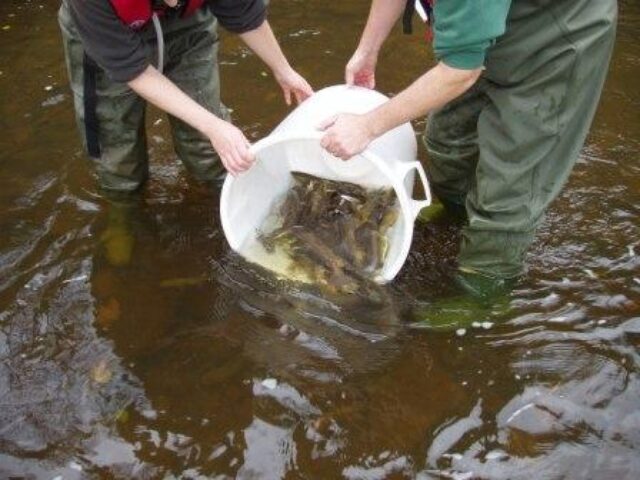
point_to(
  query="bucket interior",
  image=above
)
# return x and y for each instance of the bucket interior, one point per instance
(250, 197)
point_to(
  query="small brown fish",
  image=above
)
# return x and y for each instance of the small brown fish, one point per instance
(334, 232)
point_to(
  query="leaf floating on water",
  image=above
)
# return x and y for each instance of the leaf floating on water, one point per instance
(101, 373)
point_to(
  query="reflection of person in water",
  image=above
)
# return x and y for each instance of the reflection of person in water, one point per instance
(118, 238)
(190, 366)
(205, 362)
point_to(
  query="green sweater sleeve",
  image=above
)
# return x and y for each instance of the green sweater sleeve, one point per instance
(465, 29)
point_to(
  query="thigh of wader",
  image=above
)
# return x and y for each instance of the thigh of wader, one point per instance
(451, 140)
(192, 64)
(115, 137)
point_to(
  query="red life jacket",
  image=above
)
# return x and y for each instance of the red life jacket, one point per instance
(137, 13)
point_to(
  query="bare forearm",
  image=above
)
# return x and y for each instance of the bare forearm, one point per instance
(431, 91)
(164, 94)
(382, 17)
(263, 43)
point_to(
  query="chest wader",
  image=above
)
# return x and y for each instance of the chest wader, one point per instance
(111, 117)
(504, 149)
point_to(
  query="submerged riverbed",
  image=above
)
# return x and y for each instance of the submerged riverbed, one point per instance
(133, 346)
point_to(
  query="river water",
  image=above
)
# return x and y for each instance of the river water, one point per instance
(131, 345)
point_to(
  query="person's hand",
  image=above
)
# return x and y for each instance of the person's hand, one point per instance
(293, 84)
(232, 146)
(361, 70)
(346, 135)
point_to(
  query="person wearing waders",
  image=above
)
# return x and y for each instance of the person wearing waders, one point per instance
(122, 53)
(509, 103)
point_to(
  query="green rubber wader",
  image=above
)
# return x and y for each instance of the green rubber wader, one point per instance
(503, 150)
(191, 62)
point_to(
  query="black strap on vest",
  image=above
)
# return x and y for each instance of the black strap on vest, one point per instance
(407, 17)
(91, 126)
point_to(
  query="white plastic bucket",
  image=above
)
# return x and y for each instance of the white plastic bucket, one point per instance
(389, 161)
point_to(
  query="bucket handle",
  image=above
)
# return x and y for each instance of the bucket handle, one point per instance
(416, 205)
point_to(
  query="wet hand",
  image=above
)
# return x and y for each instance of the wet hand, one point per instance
(293, 85)
(361, 70)
(345, 135)
(232, 146)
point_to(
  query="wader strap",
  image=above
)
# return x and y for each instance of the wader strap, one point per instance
(407, 17)
(160, 41)
(90, 106)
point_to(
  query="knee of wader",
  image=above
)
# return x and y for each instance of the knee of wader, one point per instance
(206, 169)
(197, 154)
(119, 185)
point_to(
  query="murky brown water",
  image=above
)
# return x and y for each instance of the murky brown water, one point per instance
(170, 365)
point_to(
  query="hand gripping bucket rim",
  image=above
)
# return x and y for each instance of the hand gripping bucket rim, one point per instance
(394, 172)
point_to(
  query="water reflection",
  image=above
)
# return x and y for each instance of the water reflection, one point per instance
(161, 357)
(579, 404)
